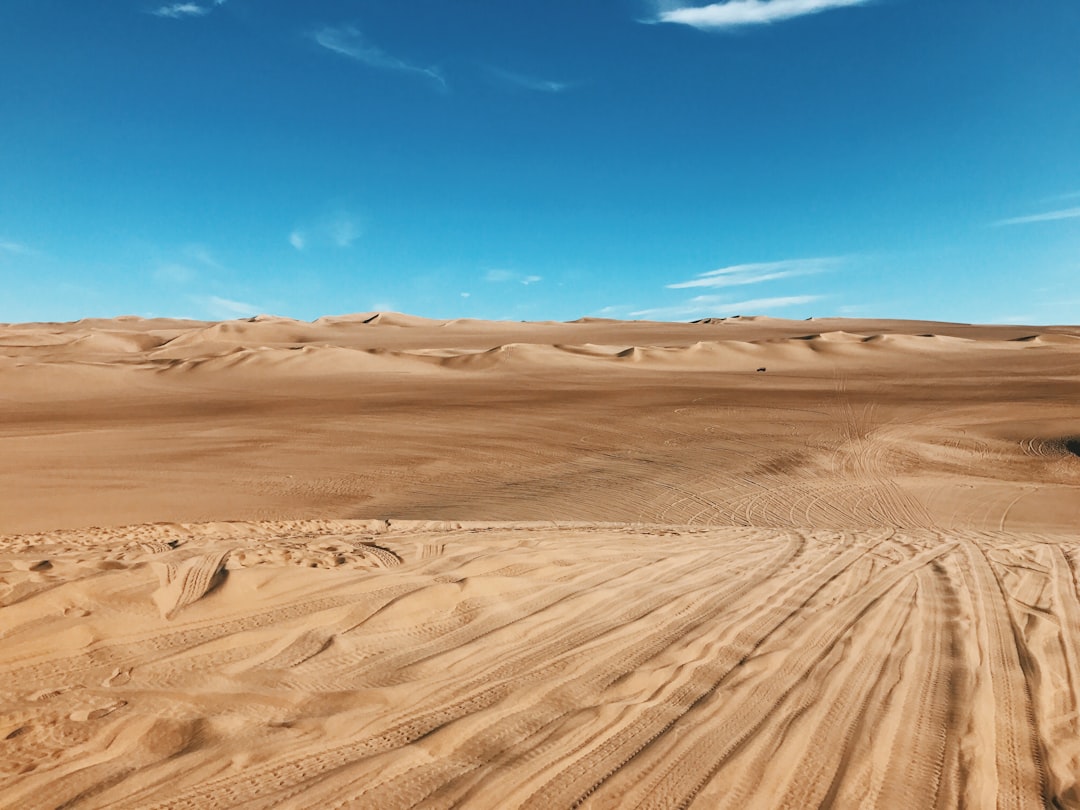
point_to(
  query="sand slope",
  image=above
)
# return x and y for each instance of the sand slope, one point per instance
(382, 561)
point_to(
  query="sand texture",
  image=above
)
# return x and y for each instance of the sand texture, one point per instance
(379, 561)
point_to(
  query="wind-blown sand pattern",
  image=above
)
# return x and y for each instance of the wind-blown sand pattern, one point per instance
(377, 561)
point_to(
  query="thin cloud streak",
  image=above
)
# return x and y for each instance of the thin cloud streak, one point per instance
(227, 308)
(202, 255)
(178, 11)
(16, 248)
(175, 274)
(702, 306)
(523, 82)
(736, 13)
(193, 262)
(499, 276)
(743, 274)
(1049, 216)
(349, 42)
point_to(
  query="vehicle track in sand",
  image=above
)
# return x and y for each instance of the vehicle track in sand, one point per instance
(543, 665)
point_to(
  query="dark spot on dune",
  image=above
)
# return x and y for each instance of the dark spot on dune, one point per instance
(1073, 446)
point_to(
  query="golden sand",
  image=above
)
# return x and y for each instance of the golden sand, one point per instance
(383, 562)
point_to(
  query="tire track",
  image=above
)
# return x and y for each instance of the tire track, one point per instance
(476, 694)
(679, 783)
(574, 783)
(1021, 782)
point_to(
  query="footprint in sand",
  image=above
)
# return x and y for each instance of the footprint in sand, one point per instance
(31, 565)
(119, 677)
(85, 715)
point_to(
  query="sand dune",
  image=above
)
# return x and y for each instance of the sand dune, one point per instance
(383, 561)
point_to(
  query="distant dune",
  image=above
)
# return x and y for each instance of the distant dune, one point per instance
(382, 561)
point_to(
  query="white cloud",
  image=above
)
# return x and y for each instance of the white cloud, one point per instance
(184, 267)
(337, 230)
(350, 42)
(853, 310)
(500, 276)
(343, 230)
(175, 274)
(735, 13)
(524, 82)
(703, 306)
(202, 255)
(225, 308)
(178, 11)
(611, 311)
(1049, 216)
(15, 248)
(742, 274)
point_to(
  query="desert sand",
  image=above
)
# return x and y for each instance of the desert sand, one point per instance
(379, 561)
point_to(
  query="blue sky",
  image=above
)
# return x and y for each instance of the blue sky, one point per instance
(531, 160)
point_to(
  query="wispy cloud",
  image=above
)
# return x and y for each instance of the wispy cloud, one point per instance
(854, 310)
(741, 274)
(220, 307)
(736, 13)
(703, 306)
(350, 42)
(522, 82)
(16, 248)
(343, 231)
(1048, 216)
(177, 11)
(202, 255)
(193, 261)
(339, 230)
(502, 276)
(175, 274)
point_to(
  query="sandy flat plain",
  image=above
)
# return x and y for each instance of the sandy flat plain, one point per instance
(377, 561)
